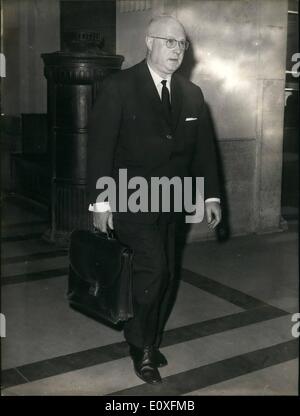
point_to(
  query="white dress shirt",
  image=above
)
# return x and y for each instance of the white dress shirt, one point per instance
(157, 79)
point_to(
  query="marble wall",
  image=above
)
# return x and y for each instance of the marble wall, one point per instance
(31, 27)
(238, 59)
(131, 23)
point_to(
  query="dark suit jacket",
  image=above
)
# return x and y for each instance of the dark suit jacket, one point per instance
(128, 129)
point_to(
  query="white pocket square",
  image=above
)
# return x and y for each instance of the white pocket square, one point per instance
(191, 118)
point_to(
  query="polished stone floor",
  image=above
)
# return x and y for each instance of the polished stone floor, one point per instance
(229, 332)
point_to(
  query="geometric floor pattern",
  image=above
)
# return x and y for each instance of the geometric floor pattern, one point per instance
(222, 337)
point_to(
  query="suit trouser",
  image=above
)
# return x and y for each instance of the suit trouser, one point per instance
(153, 277)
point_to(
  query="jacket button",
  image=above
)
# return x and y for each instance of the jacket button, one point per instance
(169, 136)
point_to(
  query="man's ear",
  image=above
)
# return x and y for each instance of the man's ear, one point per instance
(149, 42)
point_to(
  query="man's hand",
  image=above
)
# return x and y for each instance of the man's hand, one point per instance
(102, 220)
(213, 214)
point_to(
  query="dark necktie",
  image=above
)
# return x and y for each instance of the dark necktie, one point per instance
(165, 98)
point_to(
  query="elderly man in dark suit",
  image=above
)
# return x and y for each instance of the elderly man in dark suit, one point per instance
(152, 122)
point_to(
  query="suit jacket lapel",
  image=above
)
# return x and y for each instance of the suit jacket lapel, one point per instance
(148, 89)
(176, 100)
(150, 94)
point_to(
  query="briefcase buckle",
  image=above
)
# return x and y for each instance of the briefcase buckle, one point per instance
(94, 289)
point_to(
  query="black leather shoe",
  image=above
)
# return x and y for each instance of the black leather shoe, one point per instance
(159, 359)
(144, 365)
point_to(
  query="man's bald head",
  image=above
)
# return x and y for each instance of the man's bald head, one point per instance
(158, 23)
(164, 55)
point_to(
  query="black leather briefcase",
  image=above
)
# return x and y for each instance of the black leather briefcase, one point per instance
(100, 276)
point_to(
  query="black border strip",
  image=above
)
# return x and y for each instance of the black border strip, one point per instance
(95, 356)
(6, 227)
(30, 277)
(206, 284)
(21, 237)
(34, 256)
(227, 293)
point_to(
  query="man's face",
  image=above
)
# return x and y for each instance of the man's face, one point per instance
(163, 59)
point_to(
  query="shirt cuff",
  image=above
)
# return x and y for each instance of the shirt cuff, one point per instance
(100, 207)
(213, 200)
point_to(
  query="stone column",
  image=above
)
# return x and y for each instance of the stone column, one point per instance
(74, 80)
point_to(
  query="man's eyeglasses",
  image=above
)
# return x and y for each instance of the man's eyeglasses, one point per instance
(171, 43)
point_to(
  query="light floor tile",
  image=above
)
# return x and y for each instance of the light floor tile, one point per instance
(278, 380)
(264, 266)
(118, 375)
(40, 323)
(194, 305)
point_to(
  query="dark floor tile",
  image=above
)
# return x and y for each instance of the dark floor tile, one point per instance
(11, 377)
(211, 374)
(218, 325)
(28, 277)
(96, 356)
(21, 237)
(75, 361)
(22, 224)
(234, 296)
(34, 256)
